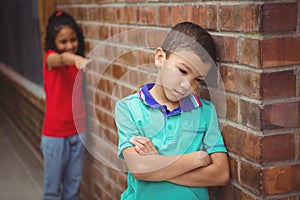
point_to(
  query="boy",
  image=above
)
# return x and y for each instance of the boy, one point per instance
(168, 136)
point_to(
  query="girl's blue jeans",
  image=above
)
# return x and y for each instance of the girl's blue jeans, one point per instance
(63, 162)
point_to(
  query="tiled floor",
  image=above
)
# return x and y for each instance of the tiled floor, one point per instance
(21, 171)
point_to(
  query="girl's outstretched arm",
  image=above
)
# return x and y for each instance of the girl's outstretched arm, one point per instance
(66, 58)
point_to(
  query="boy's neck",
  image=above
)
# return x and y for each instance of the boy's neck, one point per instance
(158, 94)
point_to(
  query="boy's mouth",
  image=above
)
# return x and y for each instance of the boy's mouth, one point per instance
(178, 93)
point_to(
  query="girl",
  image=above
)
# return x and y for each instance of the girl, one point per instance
(62, 148)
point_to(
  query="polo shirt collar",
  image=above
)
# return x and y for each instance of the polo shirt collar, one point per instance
(189, 102)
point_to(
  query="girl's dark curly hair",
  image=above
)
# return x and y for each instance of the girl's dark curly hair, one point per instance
(56, 22)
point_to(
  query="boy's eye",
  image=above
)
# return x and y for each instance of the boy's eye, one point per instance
(182, 71)
(199, 80)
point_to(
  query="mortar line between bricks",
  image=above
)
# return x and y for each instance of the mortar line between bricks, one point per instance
(271, 132)
(241, 127)
(280, 163)
(244, 189)
(261, 70)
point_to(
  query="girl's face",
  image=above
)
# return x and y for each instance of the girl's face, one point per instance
(66, 40)
(179, 76)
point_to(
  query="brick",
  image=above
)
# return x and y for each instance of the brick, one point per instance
(109, 52)
(250, 114)
(82, 14)
(103, 33)
(151, 16)
(279, 84)
(90, 45)
(91, 31)
(117, 34)
(276, 52)
(231, 192)
(118, 71)
(91, 79)
(130, 15)
(88, 169)
(95, 14)
(281, 179)
(93, 127)
(85, 192)
(105, 119)
(242, 18)
(125, 91)
(106, 85)
(214, 193)
(136, 38)
(110, 14)
(231, 108)
(234, 169)
(126, 15)
(102, 191)
(226, 48)
(281, 115)
(129, 57)
(241, 142)
(146, 15)
(155, 37)
(241, 81)
(177, 14)
(279, 17)
(249, 53)
(137, 78)
(163, 16)
(103, 102)
(278, 148)
(146, 58)
(111, 136)
(251, 177)
(205, 16)
(120, 178)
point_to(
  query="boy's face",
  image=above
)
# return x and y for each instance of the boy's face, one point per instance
(180, 73)
(66, 40)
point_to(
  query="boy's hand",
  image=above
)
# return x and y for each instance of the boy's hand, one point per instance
(143, 145)
(204, 158)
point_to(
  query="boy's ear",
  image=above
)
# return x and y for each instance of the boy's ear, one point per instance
(160, 56)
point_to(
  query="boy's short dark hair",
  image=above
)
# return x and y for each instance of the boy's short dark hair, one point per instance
(188, 36)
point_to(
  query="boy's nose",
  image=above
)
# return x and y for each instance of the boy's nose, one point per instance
(185, 84)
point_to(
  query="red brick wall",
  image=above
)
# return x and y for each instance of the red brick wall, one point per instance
(258, 43)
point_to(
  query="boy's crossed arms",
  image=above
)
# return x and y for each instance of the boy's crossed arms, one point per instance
(195, 169)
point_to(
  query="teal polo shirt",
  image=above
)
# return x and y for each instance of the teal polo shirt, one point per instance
(192, 126)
